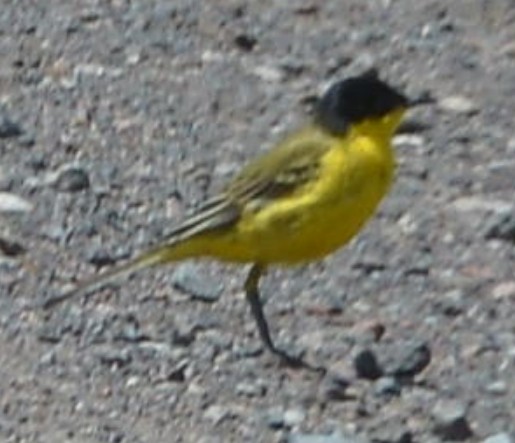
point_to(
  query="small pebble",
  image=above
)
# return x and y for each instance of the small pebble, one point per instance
(11, 203)
(412, 140)
(412, 126)
(27, 140)
(190, 280)
(268, 74)
(90, 15)
(334, 387)
(132, 381)
(452, 303)
(367, 366)
(458, 104)
(504, 290)
(130, 331)
(183, 335)
(50, 334)
(250, 389)
(72, 179)
(479, 204)
(450, 420)
(274, 418)
(9, 128)
(245, 42)
(501, 226)
(294, 417)
(498, 387)
(48, 358)
(413, 361)
(248, 350)
(112, 356)
(217, 413)
(499, 438)
(179, 373)
(293, 68)
(38, 161)
(160, 349)
(387, 386)
(10, 248)
(100, 258)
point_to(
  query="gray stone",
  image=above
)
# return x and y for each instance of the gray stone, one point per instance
(188, 279)
(27, 140)
(458, 104)
(334, 387)
(501, 226)
(129, 331)
(250, 389)
(72, 179)
(274, 418)
(499, 387)
(217, 413)
(414, 360)
(10, 248)
(367, 366)
(112, 356)
(450, 420)
(48, 358)
(387, 386)
(9, 128)
(452, 303)
(100, 257)
(11, 203)
(294, 417)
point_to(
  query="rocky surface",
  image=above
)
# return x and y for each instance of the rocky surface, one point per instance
(117, 117)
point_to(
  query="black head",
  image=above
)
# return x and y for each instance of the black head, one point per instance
(356, 99)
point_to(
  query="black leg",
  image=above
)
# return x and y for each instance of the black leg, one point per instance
(252, 294)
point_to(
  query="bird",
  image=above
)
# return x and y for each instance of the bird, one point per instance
(298, 202)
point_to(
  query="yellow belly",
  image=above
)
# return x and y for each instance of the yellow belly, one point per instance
(316, 221)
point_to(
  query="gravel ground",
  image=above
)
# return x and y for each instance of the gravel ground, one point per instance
(118, 116)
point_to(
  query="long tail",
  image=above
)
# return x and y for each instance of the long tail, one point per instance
(185, 241)
(150, 258)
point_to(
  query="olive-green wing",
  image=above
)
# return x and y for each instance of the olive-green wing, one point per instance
(278, 173)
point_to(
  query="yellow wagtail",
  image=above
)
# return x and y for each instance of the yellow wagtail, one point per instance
(296, 203)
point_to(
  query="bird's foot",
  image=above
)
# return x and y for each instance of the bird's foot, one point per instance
(297, 361)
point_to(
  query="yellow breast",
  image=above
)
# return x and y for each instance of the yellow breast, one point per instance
(354, 176)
